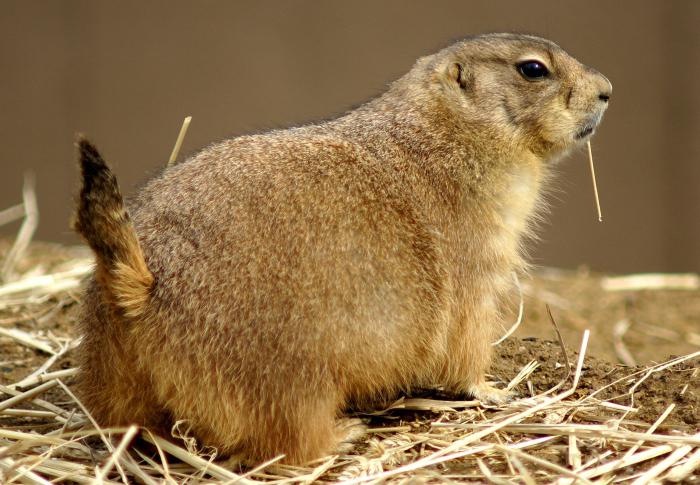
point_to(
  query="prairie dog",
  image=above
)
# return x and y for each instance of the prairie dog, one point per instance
(271, 281)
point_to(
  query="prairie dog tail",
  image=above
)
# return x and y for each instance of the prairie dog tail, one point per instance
(102, 220)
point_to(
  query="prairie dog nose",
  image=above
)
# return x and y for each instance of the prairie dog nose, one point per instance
(604, 88)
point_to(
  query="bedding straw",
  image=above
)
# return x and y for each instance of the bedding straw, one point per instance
(568, 433)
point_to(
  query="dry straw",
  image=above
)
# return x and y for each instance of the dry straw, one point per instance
(459, 442)
(178, 142)
(30, 211)
(521, 311)
(558, 436)
(595, 184)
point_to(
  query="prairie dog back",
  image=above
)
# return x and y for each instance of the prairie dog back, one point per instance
(271, 281)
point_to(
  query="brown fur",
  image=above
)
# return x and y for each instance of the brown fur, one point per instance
(289, 275)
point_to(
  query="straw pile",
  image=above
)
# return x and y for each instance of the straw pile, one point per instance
(565, 428)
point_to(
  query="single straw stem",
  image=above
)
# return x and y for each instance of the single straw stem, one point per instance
(178, 142)
(595, 185)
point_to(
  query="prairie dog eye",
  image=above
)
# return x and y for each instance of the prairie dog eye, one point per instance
(533, 70)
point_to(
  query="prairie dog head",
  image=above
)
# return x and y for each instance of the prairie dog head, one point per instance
(521, 89)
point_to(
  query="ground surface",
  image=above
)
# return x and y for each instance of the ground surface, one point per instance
(640, 328)
(660, 323)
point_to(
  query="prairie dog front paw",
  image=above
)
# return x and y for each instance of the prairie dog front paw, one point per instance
(350, 432)
(488, 394)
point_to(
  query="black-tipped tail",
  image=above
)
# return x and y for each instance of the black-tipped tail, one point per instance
(102, 220)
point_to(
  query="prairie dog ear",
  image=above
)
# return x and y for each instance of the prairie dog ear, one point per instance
(458, 74)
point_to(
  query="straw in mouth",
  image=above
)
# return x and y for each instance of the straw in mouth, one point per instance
(595, 185)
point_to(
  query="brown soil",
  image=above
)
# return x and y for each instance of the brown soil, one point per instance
(651, 397)
(661, 322)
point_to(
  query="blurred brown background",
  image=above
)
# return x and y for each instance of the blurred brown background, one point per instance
(127, 73)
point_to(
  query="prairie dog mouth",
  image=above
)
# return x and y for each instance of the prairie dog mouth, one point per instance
(587, 130)
(589, 127)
